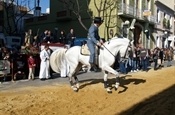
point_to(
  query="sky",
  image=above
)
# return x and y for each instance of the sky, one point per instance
(44, 4)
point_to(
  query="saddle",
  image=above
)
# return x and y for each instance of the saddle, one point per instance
(84, 50)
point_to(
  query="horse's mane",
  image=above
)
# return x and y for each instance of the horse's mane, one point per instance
(123, 40)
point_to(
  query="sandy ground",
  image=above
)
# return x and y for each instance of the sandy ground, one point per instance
(142, 93)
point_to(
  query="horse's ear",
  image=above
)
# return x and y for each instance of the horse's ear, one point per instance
(132, 42)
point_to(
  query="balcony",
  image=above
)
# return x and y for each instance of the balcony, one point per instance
(132, 12)
(64, 15)
(129, 11)
(152, 19)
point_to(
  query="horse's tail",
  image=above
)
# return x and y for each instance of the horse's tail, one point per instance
(58, 60)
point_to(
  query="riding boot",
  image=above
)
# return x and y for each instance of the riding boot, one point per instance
(94, 68)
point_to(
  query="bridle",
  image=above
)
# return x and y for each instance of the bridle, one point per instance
(122, 58)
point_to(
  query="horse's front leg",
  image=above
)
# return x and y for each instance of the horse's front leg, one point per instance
(106, 82)
(111, 70)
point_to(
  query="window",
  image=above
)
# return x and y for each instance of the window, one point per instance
(171, 21)
(158, 16)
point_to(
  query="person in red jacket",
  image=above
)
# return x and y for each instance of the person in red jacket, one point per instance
(32, 65)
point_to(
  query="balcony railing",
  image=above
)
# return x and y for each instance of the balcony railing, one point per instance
(130, 11)
(152, 19)
(125, 9)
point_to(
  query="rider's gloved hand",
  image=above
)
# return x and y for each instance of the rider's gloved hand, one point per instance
(101, 41)
(99, 44)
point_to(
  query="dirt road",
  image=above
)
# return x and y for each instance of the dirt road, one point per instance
(142, 93)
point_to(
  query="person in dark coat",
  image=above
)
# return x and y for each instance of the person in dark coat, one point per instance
(71, 37)
(161, 55)
(62, 38)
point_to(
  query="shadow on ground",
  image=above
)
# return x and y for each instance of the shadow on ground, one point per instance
(162, 103)
(123, 82)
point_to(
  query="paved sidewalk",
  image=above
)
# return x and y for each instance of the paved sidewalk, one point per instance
(89, 76)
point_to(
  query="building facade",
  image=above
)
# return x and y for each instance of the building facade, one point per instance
(141, 16)
(164, 29)
(148, 22)
(12, 18)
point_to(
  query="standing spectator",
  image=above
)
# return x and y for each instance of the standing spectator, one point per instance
(137, 52)
(143, 58)
(62, 38)
(50, 51)
(169, 57)
(35, 41)
(49, 38)
(26, 41)
(122, 66)
(71, 37)
(161, 56)
(6, 56)
(155, 57)
(132, 56)
(28, 38)
(43, 37)
(31, 65)
(44, 66)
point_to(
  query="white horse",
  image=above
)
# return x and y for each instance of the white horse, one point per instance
(72, 60)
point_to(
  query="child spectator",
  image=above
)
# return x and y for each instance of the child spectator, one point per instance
(32, 65)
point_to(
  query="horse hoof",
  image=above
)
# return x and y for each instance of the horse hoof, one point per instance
(115, 88)
(75, 89)
(78, 86)
(109, 90)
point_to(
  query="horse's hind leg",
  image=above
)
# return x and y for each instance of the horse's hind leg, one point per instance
(72, 74)
(75, 75)
(106, 82)
(72, 84)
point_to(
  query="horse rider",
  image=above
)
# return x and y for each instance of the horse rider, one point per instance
(94, 40)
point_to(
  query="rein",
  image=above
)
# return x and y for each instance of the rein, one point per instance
(108, 50)
(124, 57)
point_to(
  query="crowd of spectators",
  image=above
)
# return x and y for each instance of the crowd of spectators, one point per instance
(141, 59)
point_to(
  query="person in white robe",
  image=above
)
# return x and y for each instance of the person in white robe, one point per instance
(44, 65)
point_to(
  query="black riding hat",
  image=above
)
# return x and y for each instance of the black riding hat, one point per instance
(98, 20)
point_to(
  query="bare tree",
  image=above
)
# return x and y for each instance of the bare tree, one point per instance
(14, 12)
(76, 7)
(106, 9)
